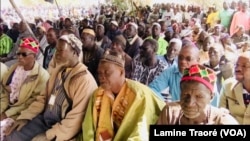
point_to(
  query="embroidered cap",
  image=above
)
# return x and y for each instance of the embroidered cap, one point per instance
(29, 43)
(73, 41)
(113, 57)
(201, 74)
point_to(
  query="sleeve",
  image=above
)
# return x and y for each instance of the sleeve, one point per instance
(223, 100)
(88, 129)
(80, 90)
(160, 83)
(37, 101)
(4, 101)
(148, 109)
(232, 25)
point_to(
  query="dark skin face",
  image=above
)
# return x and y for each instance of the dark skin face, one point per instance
(99, 31)
(131, 31)
(172, 51)
(27, 60)
(147, 51)
(64, 53)
(188, 56)
(51, 37)
(207, 43)
(242, 69)
(87, 41)
(156, 30)
(214, 54)
(22, 27)
(195, 97)
(110, 76)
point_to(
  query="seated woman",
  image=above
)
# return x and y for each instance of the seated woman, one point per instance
(194, 106)
(21, 84)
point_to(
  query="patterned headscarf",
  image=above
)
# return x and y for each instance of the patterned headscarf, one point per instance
(29, 43)
(200, 74)
(73, 41)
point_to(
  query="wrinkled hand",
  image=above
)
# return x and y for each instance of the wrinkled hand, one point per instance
(18, 125)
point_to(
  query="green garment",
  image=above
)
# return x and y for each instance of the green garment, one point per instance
(143, 112)
(6, 44)
(162, 45)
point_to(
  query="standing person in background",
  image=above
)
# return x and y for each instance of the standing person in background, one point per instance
(241, 17)
(225, 16)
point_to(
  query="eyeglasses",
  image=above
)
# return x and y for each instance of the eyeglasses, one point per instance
(24, 54)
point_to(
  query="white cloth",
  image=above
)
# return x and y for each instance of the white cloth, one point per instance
(4, 125)
(18, 79)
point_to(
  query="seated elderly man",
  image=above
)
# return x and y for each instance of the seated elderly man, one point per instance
(170, 58)
(194, 106)
(170, 77)
(21, 84)
(120, 109)
(235, 93)
(57, 113)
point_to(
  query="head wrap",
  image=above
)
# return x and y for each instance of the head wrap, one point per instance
(73, 41)
(113, 57)
(200, 74)
(29, 43)
(89, 31)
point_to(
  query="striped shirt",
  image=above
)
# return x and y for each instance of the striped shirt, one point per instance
(6, 44)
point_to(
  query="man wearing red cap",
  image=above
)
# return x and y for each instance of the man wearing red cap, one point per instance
(21, 84)
(194, 107)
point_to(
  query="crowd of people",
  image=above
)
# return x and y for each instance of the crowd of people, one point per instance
(113, 74)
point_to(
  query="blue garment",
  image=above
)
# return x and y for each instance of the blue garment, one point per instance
(162, 57)
(168, 78)
(171, 78)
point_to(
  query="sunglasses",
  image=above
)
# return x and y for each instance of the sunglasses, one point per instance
(24, 54)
